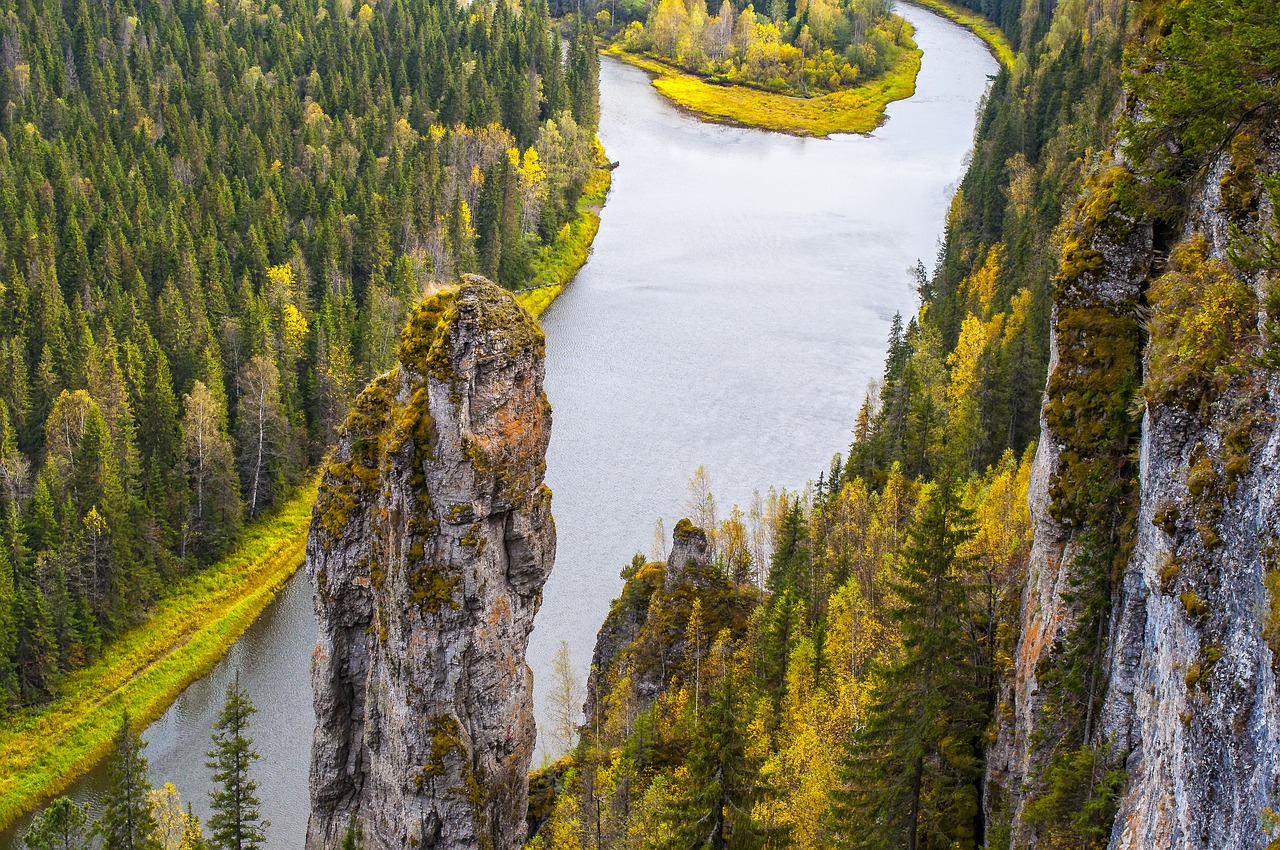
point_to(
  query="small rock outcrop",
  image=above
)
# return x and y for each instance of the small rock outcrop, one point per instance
(645, 640)
(430, 543)
(690, 556)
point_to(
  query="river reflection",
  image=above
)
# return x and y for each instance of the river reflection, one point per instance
(735, 305)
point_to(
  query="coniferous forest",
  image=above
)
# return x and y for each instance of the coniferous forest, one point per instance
(1051, 540)
(213, 219)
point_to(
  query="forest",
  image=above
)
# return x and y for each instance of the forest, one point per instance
(213, 220)
(805, 48)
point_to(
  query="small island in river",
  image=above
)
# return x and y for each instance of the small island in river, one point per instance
(808, 68)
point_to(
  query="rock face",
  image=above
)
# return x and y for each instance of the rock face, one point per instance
(431, 539)
(1192, 695)
(1183, 697)
(690, 556)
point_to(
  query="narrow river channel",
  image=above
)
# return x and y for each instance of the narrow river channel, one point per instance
(735, 305)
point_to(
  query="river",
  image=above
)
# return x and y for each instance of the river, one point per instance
(735, 305)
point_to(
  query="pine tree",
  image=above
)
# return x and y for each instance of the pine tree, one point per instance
(914, 771)
(236, 823)
(127, 823)
(62, 825)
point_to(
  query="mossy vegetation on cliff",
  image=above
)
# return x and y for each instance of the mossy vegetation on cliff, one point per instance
(431, 541)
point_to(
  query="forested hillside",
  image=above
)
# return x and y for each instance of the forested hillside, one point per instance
(851, 700)
(213, 219)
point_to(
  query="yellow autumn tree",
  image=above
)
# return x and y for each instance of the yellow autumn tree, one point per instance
(176, 827)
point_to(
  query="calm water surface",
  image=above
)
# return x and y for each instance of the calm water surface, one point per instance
(737, 302)
(735, 305)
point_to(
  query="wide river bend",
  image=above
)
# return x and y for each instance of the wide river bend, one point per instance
(735, 305)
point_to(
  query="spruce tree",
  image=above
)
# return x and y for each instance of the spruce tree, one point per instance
(724, 783)
(36, 650)
(913, 775)
(61, 826)
(235, 823)
(127, 823)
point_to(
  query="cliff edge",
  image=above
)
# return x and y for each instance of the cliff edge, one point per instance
(1143, 696)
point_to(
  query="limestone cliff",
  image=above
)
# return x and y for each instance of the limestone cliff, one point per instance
(1149, 623)
(431, 540)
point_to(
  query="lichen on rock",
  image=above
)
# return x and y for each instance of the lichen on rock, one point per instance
(431, 539)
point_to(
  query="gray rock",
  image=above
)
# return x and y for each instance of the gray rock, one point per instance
(430, 542)
(1189, 693)
(690, 556)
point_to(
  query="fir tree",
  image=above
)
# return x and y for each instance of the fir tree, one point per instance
(36, 651)
(62, 825)
(723, 782)
(235, 823)
(127, 823)
(914, 772)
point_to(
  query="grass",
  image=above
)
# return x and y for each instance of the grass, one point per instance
(974, 23)
(855, 110)
(42, 752)
(558, 263)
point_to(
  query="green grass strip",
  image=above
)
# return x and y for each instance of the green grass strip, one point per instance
(974, 23)
(859, 109)
(558, 263)
(42, 752)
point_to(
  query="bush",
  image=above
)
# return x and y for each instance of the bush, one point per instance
(1201, 318)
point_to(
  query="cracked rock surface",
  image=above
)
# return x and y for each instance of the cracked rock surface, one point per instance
(430, 543)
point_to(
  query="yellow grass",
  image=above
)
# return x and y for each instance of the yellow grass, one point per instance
(44, 751)
(558, 263)
(856, 110)
(976, 24)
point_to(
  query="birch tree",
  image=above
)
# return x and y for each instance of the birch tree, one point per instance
(262, 429)
(214, 519)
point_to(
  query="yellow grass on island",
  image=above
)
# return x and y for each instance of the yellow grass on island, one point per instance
(43, 751)
(859, 109)
(974, 23)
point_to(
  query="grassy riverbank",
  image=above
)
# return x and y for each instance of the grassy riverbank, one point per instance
(43, 752)
(855, 110)
(557, 263)
(974, 23)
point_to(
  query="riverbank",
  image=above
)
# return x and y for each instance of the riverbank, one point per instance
(42, 754)
(975, 23)
(558, 263)
(856, 110)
